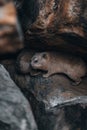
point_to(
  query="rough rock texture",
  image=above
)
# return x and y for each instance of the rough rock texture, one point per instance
(11, 39)
(15, 111)
(55, 102)
(55, 24)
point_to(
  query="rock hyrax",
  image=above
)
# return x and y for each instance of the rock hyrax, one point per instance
(55, 62)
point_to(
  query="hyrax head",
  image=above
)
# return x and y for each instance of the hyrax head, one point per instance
(40, 61)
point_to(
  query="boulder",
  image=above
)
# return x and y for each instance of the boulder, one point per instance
(55, 24)
(15, 111)
(55, 102)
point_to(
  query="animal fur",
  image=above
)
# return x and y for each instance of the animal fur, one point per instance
(23, 63)
(54, 62)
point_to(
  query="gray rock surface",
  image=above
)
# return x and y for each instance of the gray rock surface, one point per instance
(15, 111)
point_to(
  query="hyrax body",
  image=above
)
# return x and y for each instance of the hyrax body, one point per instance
(55, 62)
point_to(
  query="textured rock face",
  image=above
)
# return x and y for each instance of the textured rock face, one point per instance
(57, 105)
(15, 111)
(57, 24)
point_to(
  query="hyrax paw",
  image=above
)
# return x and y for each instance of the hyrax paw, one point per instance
(34, 73)
(76, 83)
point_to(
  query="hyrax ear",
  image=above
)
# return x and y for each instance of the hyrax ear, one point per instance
(44, 55)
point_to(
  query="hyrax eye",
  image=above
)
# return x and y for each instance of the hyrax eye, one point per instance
(35, 61)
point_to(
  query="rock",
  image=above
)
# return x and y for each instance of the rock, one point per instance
(56, 103)
(58, 24)
(11, 39)
(15, 111)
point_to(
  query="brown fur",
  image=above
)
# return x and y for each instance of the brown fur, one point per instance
(54, 62)
(23, 63)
